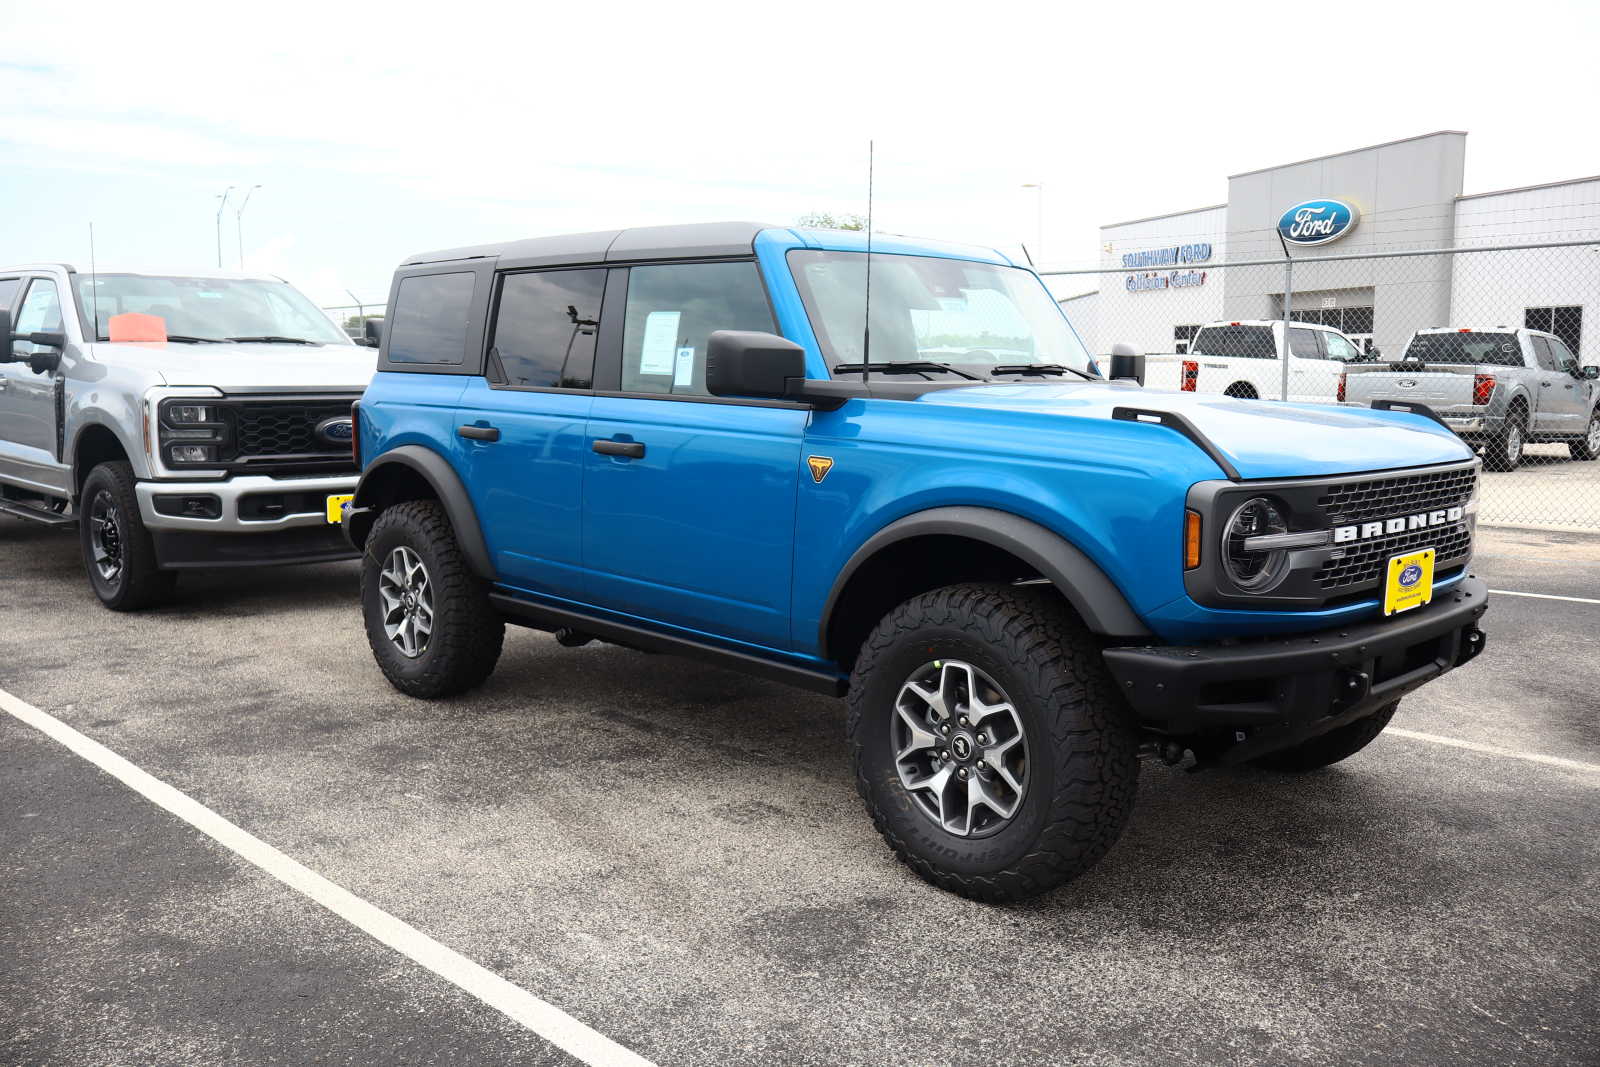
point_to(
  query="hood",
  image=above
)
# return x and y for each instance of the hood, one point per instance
(1263, 438)
(243, 367)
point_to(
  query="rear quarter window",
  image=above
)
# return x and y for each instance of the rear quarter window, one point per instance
(430, 319)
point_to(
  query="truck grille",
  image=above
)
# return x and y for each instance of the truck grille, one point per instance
(1364, 563)
(278, 435)
(1382, 498)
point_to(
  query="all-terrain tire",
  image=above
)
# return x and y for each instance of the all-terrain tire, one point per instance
(1331, 747)
(1504, 451)
(1081, 745)
(1587, 446)
(119, 555)
(466, 634)
(1242, 391)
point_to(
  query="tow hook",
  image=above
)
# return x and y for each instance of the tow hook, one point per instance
(1472, 642)
(1353, 687)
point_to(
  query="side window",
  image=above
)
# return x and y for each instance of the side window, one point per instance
(8, 290)
(1303, 344)
(544, 331)
(1340, 348)
(671, 311)
(40, 310)
(430, 319)
(1564, 358)
(1542, 352)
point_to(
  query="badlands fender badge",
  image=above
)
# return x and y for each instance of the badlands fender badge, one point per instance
(820, 466)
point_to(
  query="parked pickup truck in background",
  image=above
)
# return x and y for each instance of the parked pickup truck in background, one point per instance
(1244, 359)
(1024, 575)
(1499, 388)
(176, 421)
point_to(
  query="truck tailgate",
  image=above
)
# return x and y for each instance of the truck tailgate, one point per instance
(1439, 386)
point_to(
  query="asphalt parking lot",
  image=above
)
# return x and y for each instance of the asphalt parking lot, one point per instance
(675, 855)
(1549, 490)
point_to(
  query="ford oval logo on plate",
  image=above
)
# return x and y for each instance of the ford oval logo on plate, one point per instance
(337, 430)
(1316, 222)
(1411, 576)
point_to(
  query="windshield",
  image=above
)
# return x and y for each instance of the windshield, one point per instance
(976, 316)
(207, 309)
(1497, 348)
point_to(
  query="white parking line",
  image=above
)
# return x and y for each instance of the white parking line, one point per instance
(516, 1003)
(1546, 596)
(1496, 750)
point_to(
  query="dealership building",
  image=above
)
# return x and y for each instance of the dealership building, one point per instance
(1166, 274)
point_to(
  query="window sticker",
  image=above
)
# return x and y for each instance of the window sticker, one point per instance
(683, 373)
(660, 342)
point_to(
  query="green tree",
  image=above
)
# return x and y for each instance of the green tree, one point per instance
(826, 220)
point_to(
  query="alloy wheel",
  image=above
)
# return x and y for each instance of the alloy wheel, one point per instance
(105, 536)
(959, 748)
(406, 594)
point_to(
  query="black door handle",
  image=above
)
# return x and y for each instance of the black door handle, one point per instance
(479, 433)
(630, 449)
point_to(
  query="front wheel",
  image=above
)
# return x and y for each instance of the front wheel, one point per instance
(119, 554)
(1588, 446)
(428, 617)
(990, 746)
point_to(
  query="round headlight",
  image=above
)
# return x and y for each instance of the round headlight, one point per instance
(1254, 571)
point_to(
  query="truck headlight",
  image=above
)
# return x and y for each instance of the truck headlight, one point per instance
(1253, 569)
(192, 433)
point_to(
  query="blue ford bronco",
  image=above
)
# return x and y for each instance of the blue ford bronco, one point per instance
(895, 474)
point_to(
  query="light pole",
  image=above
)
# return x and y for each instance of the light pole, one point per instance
(222, 203)
(238, 221)
(1038, 218)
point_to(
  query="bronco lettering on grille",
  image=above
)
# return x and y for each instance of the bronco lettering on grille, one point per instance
(1420, 521)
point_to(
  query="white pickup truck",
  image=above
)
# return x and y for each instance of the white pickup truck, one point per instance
(1245, 359)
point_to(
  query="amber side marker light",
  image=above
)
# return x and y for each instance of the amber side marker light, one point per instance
(1191, 540)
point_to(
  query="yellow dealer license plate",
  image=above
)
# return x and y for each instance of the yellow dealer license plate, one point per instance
(1410, 582)
(336, 505)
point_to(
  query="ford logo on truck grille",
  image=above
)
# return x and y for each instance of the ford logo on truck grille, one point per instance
(336, 431)
(1316, 222)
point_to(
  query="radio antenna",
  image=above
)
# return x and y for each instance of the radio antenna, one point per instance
(866, 314)
(94, 285)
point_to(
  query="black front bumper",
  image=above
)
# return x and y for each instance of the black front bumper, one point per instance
(188, 550)
(1266, 695)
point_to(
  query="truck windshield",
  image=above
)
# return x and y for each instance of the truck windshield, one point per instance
(1248, 342)
(1497, 348)
(206, 309)
(971, 317)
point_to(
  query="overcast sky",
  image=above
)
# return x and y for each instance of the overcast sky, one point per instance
(380, 132)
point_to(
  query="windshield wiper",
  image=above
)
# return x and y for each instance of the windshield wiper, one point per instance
(274, 339)
(1040, 368)
(183, 339)
(910, 366)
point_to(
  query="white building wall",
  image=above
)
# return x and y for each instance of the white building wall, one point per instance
(1145, 318)
(1496, 288)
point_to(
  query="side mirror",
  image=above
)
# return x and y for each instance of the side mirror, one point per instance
(747, 363)
(40, 362)
(371, 333)
(1126, 363)
(1592, 373)
(1373, 353)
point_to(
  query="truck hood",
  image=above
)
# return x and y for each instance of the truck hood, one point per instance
(1262, 438)
(246, 367)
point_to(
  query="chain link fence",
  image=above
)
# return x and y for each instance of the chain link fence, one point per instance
(1496, 339)
(352, 318)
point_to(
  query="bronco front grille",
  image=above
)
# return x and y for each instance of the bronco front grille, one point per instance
(1381, 498)
(1364, 563)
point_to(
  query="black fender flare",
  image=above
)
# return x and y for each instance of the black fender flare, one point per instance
(447, 487)
(1078, 578)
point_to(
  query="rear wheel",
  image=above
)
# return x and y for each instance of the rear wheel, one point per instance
(1331, 747)
(119, 554)
(428, 617)
(1503, 452)
(1588, 446)
(991, 748)
(1241, 391)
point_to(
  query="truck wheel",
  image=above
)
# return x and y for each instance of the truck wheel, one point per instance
(1331, 747)
(1587, 446)
(428, 617)
(990, 744)
(1241, 391)
(118, 552)
(1503, 451)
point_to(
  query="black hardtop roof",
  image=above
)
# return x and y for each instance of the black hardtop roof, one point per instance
(691, 241)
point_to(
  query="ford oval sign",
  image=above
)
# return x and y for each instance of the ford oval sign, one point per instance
(1316, 222)
(337, 430)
